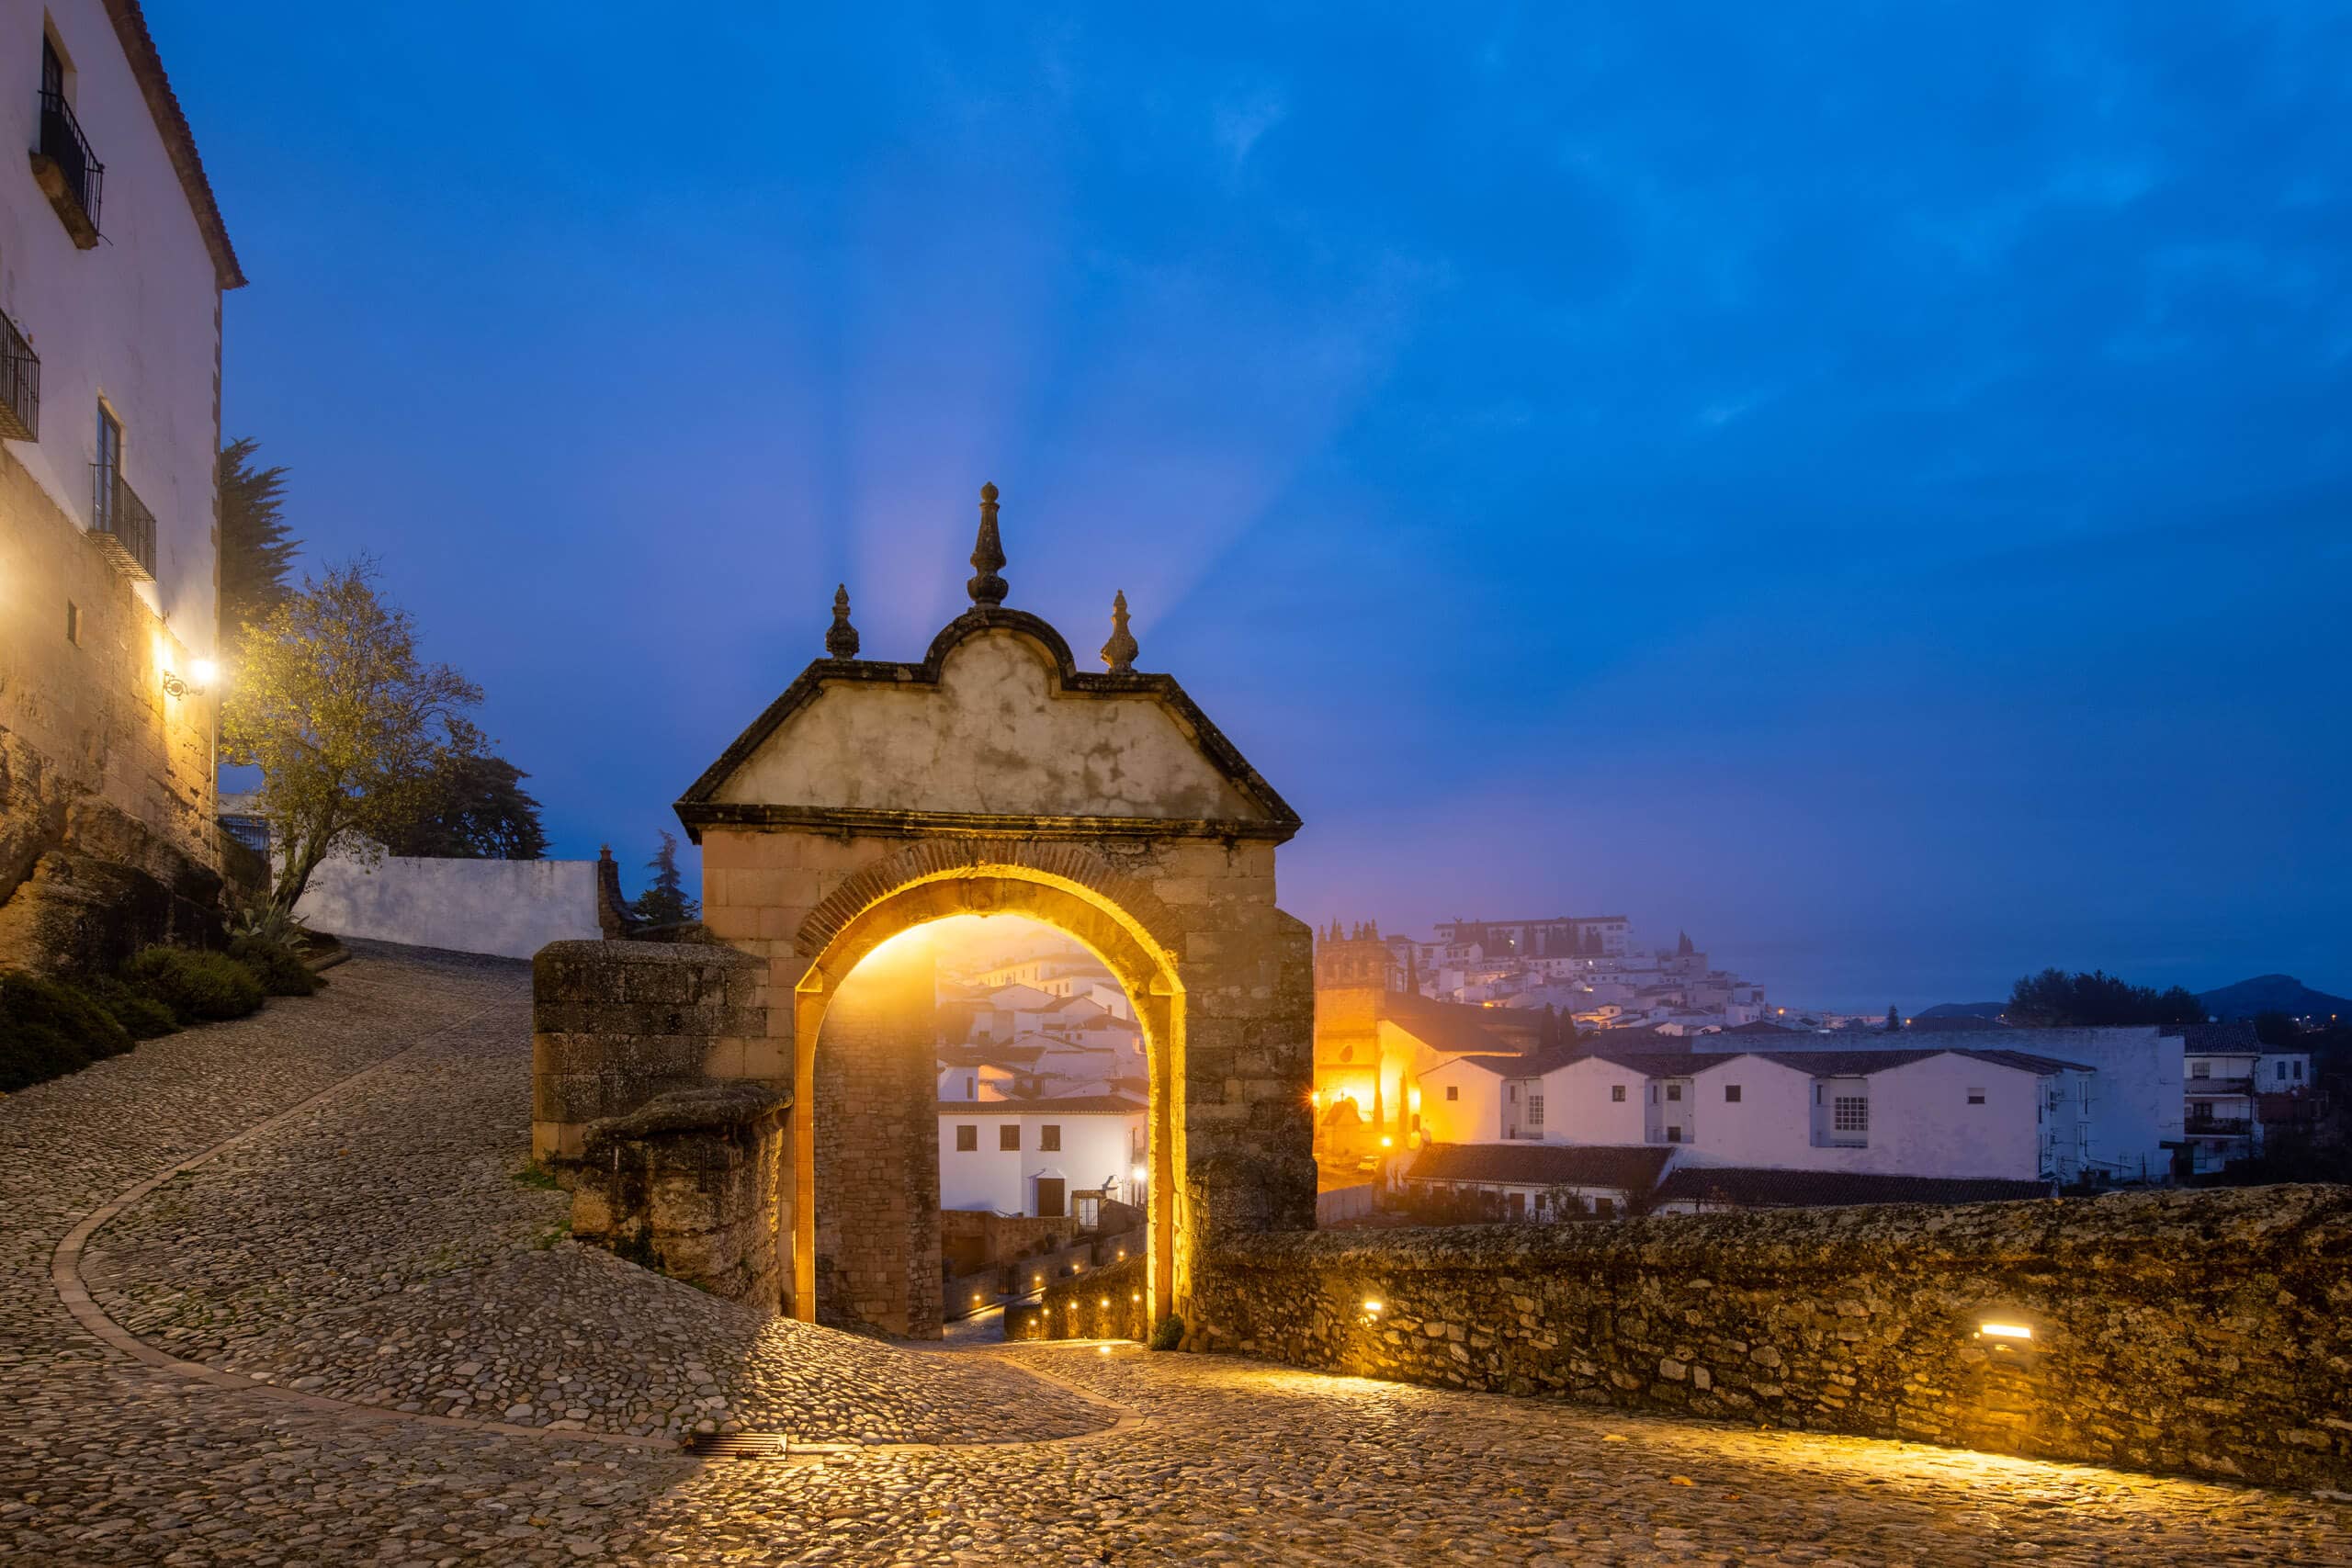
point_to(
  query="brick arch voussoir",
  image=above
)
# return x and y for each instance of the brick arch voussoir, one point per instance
(935, 858)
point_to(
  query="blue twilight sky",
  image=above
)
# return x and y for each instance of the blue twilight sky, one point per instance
(1866, 484)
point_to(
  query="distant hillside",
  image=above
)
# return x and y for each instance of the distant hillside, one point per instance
(2272, 993)
(1964, 1009)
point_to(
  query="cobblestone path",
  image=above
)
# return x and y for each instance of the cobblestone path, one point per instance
(373, 1248)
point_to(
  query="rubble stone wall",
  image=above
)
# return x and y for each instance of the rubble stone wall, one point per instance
(694, 1183)
(2203, 1332)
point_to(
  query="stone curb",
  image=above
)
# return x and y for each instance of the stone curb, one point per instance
(66, 1274)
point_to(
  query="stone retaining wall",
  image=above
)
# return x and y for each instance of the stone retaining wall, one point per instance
(1102, 1304)
(2206, 1332)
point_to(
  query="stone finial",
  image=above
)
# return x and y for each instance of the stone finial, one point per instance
(840, 642)
(1119, 653)
(988, 555)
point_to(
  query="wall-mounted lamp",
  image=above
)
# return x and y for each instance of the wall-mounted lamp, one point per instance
(200, 675)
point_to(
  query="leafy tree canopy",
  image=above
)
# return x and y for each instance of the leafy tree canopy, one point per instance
(665, 903)
(257, 551)
(2055, 999)
(478, 807)
(352, 730)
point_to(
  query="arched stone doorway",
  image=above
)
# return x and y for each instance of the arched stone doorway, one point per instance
(993, 776)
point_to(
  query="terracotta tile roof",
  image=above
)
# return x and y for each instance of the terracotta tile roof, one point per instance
(1629, 1168)
(1068, 1105)
(1752, 1189)
(1453, 1026)
(180, 141)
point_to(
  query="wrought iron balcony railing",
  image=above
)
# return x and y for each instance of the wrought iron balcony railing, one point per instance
(69, 173)
(121, 523)
(2218, 1126)
(20, 384)
(2219, 1086)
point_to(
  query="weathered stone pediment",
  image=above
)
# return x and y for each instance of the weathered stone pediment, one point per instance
(995, 730)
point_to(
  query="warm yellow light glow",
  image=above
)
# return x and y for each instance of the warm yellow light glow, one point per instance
(2006, 1330)
(1372, 1306)
(1314, 1097)
(1136, 1296)
(1103, 1350)
(204, 671)
(1104, 1301)
(1387, 1142)
(902, 945)
(1122, 1255)
(1139, 1173)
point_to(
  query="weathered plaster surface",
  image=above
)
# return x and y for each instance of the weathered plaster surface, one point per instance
(994, 736)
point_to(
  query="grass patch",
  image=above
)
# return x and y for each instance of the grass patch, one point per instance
(560, 1231)
(531, 1173)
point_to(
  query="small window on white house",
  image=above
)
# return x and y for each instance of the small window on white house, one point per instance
(1049, 1138)
(1975, 1097)
(2282, 1069)
(72, 623)
(1453, 1091)
(972, 1086)
(1674, 1091)
(968, 1140)
(1674, 1135)
(1617, 1093)
(2299, 1072)
(2200, 1069)
(1731, 1094)
(1850, 1113)
(1008, 1136)
(1514, 1094)
(1535, 1110)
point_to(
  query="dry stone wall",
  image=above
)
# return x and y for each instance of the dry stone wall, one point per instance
(1102, 1304)
(2206, 1332)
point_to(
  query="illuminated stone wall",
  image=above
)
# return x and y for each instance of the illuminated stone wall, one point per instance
(878, 1161)
(2206, 1332)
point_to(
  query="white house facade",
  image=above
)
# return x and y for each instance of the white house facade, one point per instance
(1033, 1157)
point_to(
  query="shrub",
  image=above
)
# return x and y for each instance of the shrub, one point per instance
(49, 1027)
(276, 965)
(141, 1013)
(201, 987)
(1169, 1335)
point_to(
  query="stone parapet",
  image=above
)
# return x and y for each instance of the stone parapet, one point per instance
(615, 1023)
(2206, 1332)
(690, 1184)
(1109, 1303)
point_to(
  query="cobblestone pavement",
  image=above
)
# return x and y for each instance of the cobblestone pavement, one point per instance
(378, 1248)
(105, 1461)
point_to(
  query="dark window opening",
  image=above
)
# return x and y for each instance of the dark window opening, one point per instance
(1009, 1136)
(1049, 1138)
(968, 1140)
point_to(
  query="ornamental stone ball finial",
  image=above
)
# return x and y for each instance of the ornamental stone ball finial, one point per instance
(1119, 653)
(840, 642)
(986, 587)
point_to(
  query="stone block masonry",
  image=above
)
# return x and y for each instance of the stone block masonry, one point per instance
(2206, 1332)
(1108, 1302)
(615, 1023)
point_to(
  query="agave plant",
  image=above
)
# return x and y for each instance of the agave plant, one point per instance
(265, 920)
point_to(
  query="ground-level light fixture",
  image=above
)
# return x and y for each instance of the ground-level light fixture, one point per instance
(1372, 1306)
(2004, 1330)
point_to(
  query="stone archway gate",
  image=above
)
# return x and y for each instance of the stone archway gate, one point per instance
(994, 776)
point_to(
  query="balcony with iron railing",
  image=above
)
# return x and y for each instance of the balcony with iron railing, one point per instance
(20, 384)
(2217, 1127)
(121, 523)
(69, 174)
(2221, 1086)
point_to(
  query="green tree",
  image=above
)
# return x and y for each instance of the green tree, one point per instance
(665, 903)
(2055, 999)
(1893, 1019)
(350, 729)
(478, 808)
(257, 551)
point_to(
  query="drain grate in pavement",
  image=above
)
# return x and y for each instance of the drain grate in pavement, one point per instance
(737, 1445)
